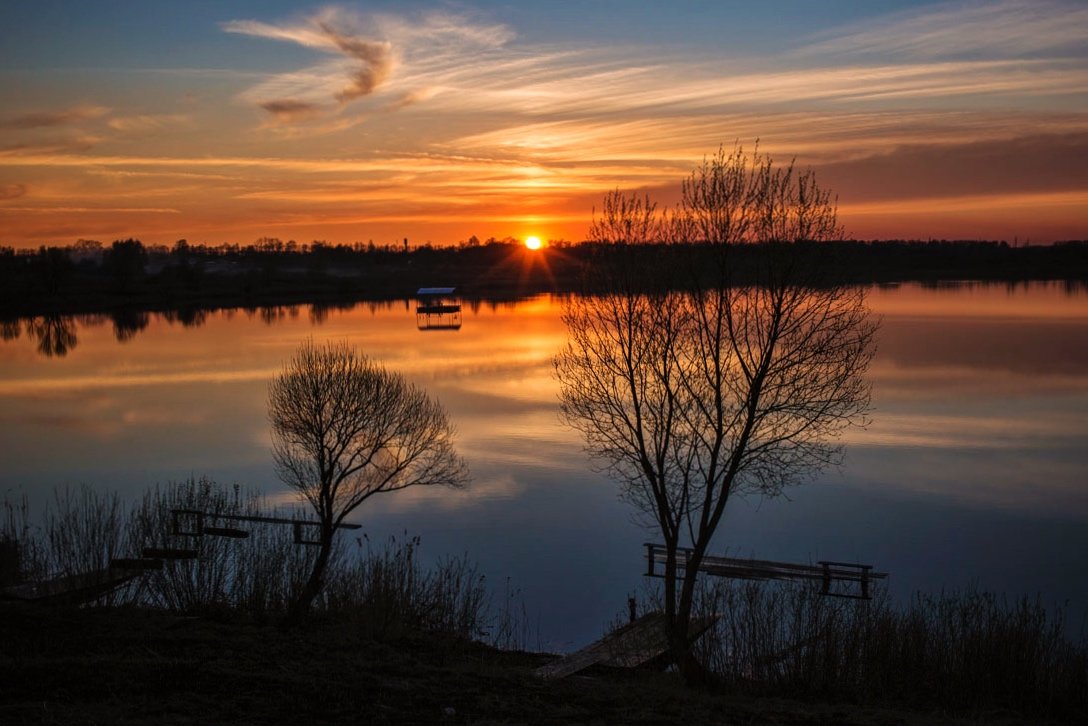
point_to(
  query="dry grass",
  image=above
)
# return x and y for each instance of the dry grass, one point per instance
(384, 590)
(967, 651)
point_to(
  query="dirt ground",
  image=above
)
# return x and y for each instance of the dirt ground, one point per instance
(143, 667)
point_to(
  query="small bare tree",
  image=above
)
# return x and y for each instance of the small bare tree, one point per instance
(344, 429)
(689, 396)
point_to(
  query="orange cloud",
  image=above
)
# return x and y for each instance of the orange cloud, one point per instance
(12, 191)
(46, 119)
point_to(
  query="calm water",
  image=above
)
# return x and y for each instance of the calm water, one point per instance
(974, 470)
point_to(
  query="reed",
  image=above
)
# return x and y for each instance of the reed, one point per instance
(257, 575)
(385, 591)
(966, 650)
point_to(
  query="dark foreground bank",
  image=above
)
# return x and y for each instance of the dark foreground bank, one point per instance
(136, 666)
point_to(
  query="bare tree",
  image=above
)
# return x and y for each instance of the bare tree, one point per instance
(344, 429)
(689, 396)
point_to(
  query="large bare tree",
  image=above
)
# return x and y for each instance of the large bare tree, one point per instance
(736, 377)
(344, 429)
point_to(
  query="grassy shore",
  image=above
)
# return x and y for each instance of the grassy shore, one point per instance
(140, 666)
(394, 641)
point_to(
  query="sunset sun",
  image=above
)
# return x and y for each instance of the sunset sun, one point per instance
(533, 243)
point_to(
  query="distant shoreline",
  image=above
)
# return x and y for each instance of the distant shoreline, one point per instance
(129, 277)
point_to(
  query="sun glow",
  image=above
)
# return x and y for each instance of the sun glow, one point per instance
(533, 243)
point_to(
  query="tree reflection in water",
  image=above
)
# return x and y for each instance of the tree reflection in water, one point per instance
(56, 334)
(127, 322)
(10, 329)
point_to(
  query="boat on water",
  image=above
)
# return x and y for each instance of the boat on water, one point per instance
(437, 308)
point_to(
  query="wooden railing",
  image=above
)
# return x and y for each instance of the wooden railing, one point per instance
(198, 527)
(826, 572)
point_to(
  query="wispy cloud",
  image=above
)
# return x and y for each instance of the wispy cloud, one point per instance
(46, 119)
(12, 191)
(371, 45)
(1027, 163)
(375, 58)
(1005, 28)
(461, 67)
(143, 123)
(301, 96)
(51, 145)
(291, 110)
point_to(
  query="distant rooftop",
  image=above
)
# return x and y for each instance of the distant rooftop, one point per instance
(435, 291)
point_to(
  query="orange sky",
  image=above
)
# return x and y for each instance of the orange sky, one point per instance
(950, 120)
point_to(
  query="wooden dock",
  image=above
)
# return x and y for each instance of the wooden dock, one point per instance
(193, 523)
(71, 589)
(630, 646)
(855, 580)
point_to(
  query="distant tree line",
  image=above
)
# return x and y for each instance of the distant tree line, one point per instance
(90, 276)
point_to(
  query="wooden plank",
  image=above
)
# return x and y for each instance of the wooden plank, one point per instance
(629, 646)
(78, 588)
(768, 569)
(609, 647)
(826, 572)
(260, 518)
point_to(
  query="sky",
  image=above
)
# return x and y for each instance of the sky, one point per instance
(224, 122)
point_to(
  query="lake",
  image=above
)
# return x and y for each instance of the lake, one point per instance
(974, 470)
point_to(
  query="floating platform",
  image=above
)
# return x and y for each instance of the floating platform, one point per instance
(437, 309)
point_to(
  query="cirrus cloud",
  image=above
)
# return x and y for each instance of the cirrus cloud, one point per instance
(365, 52)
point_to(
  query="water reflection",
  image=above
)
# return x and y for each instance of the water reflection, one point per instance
(126, 323)
(188, 317)
(55, 334)
(973, 468)
(437, 309)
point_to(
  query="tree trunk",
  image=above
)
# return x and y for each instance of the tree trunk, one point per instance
(677, 622)
(300, 608)
(680, 642)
